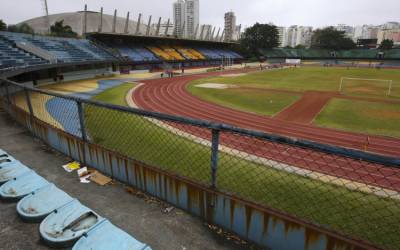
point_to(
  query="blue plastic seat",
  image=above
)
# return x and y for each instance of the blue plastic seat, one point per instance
(5, 159)
(36, 206)
(66, 225)
(12, 170)
(21, 186)
(106, 236)
(2, 152)
(4, 155)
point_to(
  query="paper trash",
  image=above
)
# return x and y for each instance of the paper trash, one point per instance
(70, 167)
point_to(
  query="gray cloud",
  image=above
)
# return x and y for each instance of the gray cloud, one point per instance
(281, 12)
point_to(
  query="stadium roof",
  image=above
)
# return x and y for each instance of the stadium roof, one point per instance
(75, 20)
(143, 38)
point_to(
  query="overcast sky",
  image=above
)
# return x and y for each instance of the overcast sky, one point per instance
(315, 13)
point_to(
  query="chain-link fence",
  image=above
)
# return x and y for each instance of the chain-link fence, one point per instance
(351, 192)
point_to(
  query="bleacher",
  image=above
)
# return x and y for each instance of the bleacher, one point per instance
(65, 50)
(137, 53)
(187, 53)
(173, 53)
(392, 54)
(161, 53)
(12, 56)
(22, 50)
(63, 221)
(218, 53)
(326, 54)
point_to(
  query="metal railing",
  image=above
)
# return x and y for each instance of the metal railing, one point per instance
(351, 192)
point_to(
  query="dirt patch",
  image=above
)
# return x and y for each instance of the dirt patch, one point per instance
(233, 75)
(387, 114)
(307, 108)
(215, 86)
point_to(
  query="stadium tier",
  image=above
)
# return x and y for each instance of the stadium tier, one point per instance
(62, 50)
(326, 54)
(12, 56)
(137, 54)
(173, 53)
(21, 50)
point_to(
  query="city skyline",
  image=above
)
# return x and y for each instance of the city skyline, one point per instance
(281, 13)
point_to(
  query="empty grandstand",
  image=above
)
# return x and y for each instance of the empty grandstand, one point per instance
(154, 52)
(366, 54)
(21, 50)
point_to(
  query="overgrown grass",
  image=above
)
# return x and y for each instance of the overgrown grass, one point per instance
(361, 116)
(249, 100)
(310, 78)
(361, 215)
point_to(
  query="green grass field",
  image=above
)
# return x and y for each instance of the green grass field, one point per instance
(249, 100)
(354, 118)
(308, 78)
(371, 118)
(363, 215)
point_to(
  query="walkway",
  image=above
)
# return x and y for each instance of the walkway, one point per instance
(140, 218)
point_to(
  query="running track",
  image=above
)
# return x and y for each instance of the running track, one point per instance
(169, 96)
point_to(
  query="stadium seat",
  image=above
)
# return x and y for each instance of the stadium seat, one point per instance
(13, 170)
(63, 227)
(21, 186)
(105, 236)
(63, 49)
(36, 206)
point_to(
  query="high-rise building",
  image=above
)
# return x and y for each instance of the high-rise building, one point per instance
(230, 26)
(192, 17)
(281, 31)
(390, 34)
(391, 25)
(348, 30)
(365, 32)
(296, 35)
(179, 17)
(186, 17)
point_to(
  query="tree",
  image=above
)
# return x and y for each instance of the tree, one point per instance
(330, 38)
(259, 36)
(21, 28)
(3, 25)
(59, 29)
(300, 46)
(386, 44)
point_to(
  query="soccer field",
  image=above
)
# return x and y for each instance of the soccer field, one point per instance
(271, 92)
(327, 204)
(309, 78)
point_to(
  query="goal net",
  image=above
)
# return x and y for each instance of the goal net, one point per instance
(365, 86)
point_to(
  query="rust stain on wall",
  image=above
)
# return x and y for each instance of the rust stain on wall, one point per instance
(312, 237)
(266, 224)
(249, 215)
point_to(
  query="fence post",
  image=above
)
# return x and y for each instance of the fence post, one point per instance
(83, 130)
(214, 157)
(28, 101)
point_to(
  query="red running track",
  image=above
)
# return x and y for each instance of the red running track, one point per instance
(170, 96)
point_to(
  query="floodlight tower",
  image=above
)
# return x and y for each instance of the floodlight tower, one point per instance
(46, 14)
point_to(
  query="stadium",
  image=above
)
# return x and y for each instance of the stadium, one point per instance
(299, 149)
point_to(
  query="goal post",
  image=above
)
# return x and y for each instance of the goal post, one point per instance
(366, 85)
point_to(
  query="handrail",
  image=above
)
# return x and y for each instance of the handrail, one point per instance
(335, 150)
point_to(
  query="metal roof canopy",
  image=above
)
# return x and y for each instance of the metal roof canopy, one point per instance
(157, 39)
